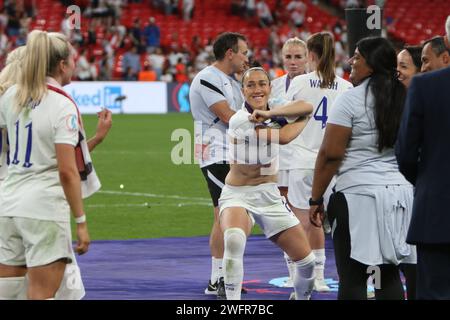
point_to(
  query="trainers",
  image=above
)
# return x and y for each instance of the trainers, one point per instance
(320, 285)
(221, 295)
(288, 283)
(212, 288)
(293, 296)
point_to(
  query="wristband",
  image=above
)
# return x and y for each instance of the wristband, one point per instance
(317, 202)
(81, 219)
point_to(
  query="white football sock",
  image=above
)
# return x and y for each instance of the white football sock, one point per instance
(216, 269)
(304, 277)
(12, 288)
(233, 266)
(290, 265)
(319, 266)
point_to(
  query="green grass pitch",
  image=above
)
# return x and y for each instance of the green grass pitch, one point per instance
(158, 198)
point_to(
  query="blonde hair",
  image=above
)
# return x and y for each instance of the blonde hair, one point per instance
(322, 44)
(44, 51)
(11, 72)
(447, 28)
(294, 42)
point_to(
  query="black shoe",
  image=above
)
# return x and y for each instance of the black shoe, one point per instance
(221, 295)
(212, 288)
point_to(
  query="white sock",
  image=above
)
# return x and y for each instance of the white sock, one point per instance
(216, 269)
(290, 265)
(233, 265)
(12, 288)
(319, 266)
(304, 277)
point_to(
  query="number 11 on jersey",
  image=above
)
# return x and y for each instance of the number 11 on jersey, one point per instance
(322, 107)
(15, 160)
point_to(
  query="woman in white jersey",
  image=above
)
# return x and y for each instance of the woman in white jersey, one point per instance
(8, 77)
(319, 88)
(43, 130)
(72, 285)
(371, 207)
(294, 61)
(250, 193)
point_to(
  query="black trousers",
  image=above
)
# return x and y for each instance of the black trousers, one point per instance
(353, 275)
(433, 271)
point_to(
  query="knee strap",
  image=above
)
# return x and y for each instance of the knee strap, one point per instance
(234, 241)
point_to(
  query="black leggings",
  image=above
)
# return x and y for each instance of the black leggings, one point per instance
(353, 275)
(410, 273)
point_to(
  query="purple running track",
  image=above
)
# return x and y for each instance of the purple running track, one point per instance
(179, 268)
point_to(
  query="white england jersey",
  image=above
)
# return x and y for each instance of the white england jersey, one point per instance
(32, 188)
(248, 149)
(307, 88)
(209, 87)
(278, 98)
(3, 155)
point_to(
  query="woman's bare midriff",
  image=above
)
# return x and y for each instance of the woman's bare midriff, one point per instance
(249, 175)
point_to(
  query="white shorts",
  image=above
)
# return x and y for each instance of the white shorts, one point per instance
(21, 245)
(283, 178)
(300, 188)
(72, 287)
(264, 205)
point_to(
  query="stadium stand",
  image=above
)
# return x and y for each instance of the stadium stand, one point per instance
(114, 25)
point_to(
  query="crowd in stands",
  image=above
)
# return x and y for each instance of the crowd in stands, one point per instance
(139, 49)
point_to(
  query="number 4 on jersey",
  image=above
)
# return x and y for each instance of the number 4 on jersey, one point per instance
(323, 109)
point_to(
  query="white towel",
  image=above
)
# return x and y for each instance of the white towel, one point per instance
(89, 179)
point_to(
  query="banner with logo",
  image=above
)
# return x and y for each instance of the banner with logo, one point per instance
(178, 97)
(119, 97)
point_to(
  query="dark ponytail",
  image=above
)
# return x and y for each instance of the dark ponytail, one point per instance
(389, 93)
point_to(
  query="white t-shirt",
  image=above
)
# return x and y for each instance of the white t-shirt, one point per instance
(32, 188)
(209, 87)
(307, 88)
(363, 164)
(246, 147)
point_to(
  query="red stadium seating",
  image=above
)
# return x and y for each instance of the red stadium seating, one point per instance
(418, 21)
(210, 18)
(411, 23)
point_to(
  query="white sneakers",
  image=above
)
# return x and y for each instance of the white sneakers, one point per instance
(288, 283)
(320, 285)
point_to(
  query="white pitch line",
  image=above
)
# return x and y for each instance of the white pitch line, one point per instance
(122, 152)
(151, 195)
(119, 205)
